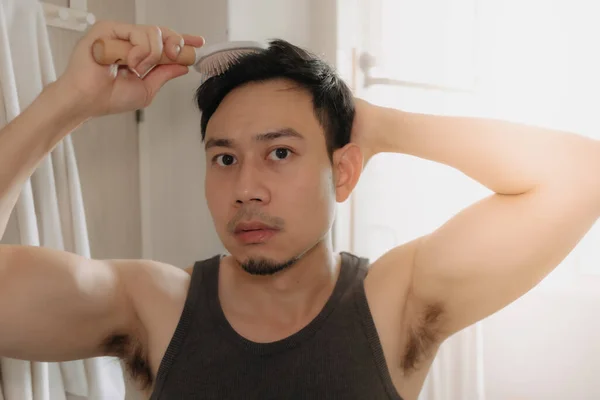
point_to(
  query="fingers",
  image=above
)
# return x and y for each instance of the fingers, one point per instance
(196, 41)
(147, 49)
(160, 40)
(154, 50)
(161, 75)
(150, 43)
(173, 43)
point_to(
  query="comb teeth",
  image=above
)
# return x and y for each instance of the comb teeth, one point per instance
(218, 63)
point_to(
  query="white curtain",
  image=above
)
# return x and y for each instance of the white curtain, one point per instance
(49, 211)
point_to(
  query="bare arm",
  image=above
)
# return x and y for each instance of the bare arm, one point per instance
(547, 196)
(57, 306)
(85, 90)
(60, 306)
(29, 138)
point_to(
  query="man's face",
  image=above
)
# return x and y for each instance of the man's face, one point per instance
(269, 179)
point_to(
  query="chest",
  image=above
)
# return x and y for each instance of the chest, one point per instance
(324, 365)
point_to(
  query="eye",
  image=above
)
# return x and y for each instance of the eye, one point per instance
(280, 153)
(224, 160)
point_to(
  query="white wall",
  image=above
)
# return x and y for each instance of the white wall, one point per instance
(269, 19)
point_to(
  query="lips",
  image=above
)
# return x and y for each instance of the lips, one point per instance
(251, 226)
(254, 232)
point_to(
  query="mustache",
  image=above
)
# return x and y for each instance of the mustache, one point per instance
(254, 214)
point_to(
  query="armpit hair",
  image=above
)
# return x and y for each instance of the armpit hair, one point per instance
(423, 336)
(132, 353)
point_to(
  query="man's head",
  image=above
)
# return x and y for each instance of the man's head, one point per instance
(276, 127)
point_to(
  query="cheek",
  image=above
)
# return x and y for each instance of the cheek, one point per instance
(311, 193)
(216, 193)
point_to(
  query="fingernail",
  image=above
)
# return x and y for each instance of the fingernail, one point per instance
(147, 71)
(142, 69)
(135, 72)
(177, 49)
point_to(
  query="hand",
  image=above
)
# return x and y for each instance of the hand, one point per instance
(99, 90)
(364, 128)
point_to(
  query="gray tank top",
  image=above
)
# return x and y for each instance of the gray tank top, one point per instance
(338, 355)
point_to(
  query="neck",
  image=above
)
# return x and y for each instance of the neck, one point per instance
(289, 296)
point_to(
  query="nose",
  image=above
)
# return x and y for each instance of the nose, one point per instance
(250, 186)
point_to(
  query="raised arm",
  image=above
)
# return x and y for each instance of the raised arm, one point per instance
(60, 306)
(28, 139)
(547, 196)
(85, 90)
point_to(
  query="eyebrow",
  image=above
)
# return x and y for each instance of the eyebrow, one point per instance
(261, 137)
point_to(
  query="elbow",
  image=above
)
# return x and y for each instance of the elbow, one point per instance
(6, 253)
(588, 179)
(594, 173)
(574, 178)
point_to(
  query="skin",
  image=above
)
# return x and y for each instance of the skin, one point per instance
(545, 199)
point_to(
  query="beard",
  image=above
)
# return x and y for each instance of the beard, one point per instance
(265, 267)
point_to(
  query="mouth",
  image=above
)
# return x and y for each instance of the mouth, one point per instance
(254, 232)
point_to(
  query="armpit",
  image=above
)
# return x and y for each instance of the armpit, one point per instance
(133, 355)
(423, 336)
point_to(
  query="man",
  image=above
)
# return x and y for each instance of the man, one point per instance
(283, 316)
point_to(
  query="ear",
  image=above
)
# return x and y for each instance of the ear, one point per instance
(347, 167)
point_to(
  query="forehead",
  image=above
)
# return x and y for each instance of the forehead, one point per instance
(262, 106)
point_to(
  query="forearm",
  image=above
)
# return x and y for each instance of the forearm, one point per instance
(30, 137)
(506, 157)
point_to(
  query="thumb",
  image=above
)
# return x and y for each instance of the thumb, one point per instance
(162, 74)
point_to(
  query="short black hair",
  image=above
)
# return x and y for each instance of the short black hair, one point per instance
(333, 101)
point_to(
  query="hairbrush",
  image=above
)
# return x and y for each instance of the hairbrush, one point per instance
(208, 60)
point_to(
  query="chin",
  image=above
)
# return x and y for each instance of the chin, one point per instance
(261, 260)
(265, 266)
(266, 250)
(244, 255)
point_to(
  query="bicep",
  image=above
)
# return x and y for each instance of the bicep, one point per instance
(57, 306)
(495, 251)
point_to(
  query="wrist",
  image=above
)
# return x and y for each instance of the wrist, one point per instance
(69, 104)
(386, 131)
(54, 114)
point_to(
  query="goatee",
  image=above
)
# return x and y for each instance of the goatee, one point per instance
(262, 266)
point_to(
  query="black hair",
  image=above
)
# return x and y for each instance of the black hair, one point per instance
(333, 101)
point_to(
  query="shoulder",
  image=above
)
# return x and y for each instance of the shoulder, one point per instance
(218, 259)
